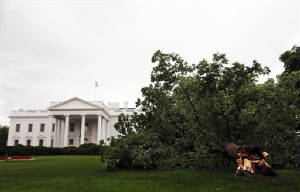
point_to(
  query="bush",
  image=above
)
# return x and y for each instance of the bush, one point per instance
(85, 149)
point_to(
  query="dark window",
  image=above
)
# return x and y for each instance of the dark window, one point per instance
(72, 126)
(29, 127)
(53, 127)
(17, 127)
(41, 142)
(28, 142)
(42, 127)
(51, 142)
(71, 142)
(16, 142)
(86, 128)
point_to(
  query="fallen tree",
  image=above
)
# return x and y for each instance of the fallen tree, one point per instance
(189, 111)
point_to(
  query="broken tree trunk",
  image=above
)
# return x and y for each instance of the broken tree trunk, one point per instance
(250, 160)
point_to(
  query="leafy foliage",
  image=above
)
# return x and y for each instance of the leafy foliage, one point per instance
(191, 111)
(291, 60)
(3, 135)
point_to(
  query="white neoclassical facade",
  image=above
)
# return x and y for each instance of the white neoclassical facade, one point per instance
(69, 123)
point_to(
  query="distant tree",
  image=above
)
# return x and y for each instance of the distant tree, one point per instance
(3, 135)
(291, 60)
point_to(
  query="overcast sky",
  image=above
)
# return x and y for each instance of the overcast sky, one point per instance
(55, 50)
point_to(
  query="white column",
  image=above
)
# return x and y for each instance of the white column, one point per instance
(49, 131)
(59, 134)
(56, 144)
(99, 128)
(66, 131)
(104, 130)
(106, 122)
(82, 129)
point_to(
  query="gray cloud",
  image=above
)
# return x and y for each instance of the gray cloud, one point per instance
(54, 50)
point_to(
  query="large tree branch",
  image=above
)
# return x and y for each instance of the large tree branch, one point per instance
(193, 107)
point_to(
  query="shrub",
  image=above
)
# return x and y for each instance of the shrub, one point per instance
(85, 149)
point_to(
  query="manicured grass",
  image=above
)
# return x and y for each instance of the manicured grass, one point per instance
(86, 173)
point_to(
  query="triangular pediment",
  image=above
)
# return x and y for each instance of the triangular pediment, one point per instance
(74, 103)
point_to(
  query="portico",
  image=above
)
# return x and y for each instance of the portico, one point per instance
(80, 122)
(77, 129)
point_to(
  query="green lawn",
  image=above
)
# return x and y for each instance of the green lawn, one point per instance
(86, 173)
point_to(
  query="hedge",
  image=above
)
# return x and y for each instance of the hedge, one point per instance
(21, 150)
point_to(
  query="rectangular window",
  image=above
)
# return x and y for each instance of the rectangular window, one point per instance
(51, 142)
(71, 142)
(72, 126)
(29, 127)
(42, 127)
(16, 142)
(17, 127)
(41, 142)
(53, 127)
(28, 142)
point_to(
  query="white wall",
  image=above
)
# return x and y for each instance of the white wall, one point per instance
(24, 135)
(107, 131)
(24, 118)
(111, 131)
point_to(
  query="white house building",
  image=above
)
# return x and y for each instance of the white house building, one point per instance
(69, 123)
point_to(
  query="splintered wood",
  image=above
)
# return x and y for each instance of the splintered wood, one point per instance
(251, 160)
